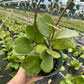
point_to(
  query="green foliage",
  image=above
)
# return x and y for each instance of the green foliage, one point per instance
(39, 48)
(75, 63)
(79, 79)
(42, 24)
(68, 80)
(62, 68)
(1, 76)
(82, 56)
(30, 34)
(32, 65)
(70, 50)
(63, 39)
(61, 44)
(67, 34)
(40, 56)
(47, 62)
(73, 80)
(12, 65)
(64, 55)
(55, 54)
(2, 52)
(23, 45)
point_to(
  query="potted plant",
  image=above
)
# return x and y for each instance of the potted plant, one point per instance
(42, 45)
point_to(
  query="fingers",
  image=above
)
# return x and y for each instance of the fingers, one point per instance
(36, 78)
(33, 79)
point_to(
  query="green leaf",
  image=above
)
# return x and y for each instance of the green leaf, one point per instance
(63, 82)
(42, 24)
(32, 64)
(9, 44)
(54, 27)
(82, 56)
(33, 53)
(55, 54)
(13, 74)
(12, 65)
(79, 79)
(46, 41)
(68, 79)
(76, 53)
(23, 46)
(77, 67)
(61, 44)
(64, 55)
(2, 52)
(1, 76)
(70, 50)
(47, 62)
(67, 34)
(62, 68)
(40, 47)
(32, 83)
(30, 34)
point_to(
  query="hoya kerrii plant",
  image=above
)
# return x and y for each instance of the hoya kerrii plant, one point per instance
(42, 44)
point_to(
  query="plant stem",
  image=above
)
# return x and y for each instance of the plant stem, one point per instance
(35, 21)
(58, 23)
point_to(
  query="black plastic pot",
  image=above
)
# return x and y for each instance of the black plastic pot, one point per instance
(59, 64)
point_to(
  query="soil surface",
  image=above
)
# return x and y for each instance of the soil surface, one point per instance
(3, 72)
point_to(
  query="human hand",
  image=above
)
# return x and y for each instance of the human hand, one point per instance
(21, 78)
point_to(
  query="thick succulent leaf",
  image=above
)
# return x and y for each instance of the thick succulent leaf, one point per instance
(61, 44)
(32, 65)
(40, 47)
(66, 33)
(42, 24)
(30, 34)
(55, 54)
(23, 45)
(47, 62)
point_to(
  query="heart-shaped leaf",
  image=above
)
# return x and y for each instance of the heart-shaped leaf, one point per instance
(32, 65)
(42, 24)
(30, 34)
(23, 46)
(61, 44)
(47, 62)
(55, 54)
(39, 48)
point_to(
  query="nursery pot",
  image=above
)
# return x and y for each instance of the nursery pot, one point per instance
(59, 64)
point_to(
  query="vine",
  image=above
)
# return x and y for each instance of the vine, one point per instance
(58, 23)
(35, 21)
